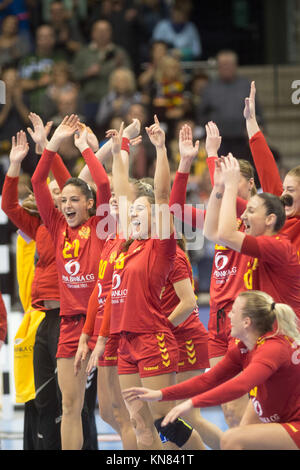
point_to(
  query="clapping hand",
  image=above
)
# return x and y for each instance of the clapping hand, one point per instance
(67, 128)
(81, 137)
(132, 130)
(187, 149)
(19, 148)
(156, 134)
(249, 110)
(92, 140)
(230, 170)
(116, 138)
(213, 139)
(39, 133)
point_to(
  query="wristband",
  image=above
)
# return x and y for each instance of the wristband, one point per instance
(125, 144)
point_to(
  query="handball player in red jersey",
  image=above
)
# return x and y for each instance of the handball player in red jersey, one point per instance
(228, 266)
(111, 404)
(264, 362)
(77, 251)
(45, 294)
(274, 266)
(268, 172)
(148, 352)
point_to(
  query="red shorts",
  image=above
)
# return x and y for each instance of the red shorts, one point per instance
(193, 350)
(293, 428)
(219, 332)
(70, 331)
(147, 354)
(110, 355)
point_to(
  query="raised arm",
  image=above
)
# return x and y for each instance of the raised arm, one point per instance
(96, 169)
(211, 222)
(263, 158)
(191, 215)
(10, 200)
(120, 151)
(212, 145)
(162, 181)
(43, 197)
(123, 190)
(39, 135)
(250, 114)
(120, 179)
(228, 234)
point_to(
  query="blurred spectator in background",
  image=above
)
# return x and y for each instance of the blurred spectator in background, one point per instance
(13, 46)
(68, 102)
(123, 17)
(223, 101)
(147, 78)
(61, 82)
(34, 9)
(14, 116)
(19, 9)
(150, 12)
(194, 91)
(35, 70)
(93, 65)
(14, 113)
(67, 32)
(169, 100)
(122, 93)
(180, 32)
(76, 9)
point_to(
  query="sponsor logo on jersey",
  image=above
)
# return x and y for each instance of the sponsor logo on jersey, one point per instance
(220, 273)
(72, 267)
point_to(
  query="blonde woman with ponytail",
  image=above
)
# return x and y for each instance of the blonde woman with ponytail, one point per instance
(264, 361)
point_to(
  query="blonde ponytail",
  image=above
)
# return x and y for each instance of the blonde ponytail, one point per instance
(287, 322)
(264, 312)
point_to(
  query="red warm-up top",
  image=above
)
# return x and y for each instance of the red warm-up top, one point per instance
(45, 282)
(139, 277)
(228, 266)
(270, 181)
(109, 254)
(77, 250)
(274, 268)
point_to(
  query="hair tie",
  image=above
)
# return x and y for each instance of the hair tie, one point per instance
(273, 306)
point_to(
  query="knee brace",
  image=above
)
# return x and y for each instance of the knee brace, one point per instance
(178, 432)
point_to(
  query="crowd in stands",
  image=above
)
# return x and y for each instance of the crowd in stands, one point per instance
(111, 61)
